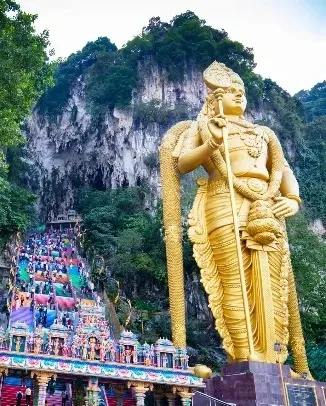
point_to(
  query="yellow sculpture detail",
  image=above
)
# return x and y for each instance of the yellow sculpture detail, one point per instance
(238, 232)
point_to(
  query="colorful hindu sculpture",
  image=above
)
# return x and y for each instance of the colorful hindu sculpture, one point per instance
(56, 346)
(102, 351)
(17, 344)
(236, 225)
(92, 348)
(65, 351)
(84, 350)
(38, 345)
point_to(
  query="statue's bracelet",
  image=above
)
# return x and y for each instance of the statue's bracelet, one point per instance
(294, 197)
(212, 144)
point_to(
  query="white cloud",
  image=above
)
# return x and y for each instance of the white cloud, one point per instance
(289, 40)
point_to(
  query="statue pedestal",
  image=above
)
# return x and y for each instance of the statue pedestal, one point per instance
(256, 383)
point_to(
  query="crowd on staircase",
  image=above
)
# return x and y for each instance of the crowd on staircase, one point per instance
(56, 312)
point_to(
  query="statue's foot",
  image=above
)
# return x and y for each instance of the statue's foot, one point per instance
(253, 357)
(304, 375)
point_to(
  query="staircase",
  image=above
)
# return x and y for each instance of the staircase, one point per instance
(107, 397)
(65, 303)
(127, 401)
(11, 385)
(55, 399)
(23, 271)
(74, 276)
(103, 401)
(51, 315)
(23, 314)
(41, 298)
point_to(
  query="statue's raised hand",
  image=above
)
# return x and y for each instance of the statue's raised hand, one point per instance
(215, 126)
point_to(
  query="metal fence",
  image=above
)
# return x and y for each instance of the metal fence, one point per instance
(206, 400)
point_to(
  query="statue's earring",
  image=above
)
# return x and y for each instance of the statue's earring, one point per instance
(210, 105)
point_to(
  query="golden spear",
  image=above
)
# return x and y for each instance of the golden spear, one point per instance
(252, 356)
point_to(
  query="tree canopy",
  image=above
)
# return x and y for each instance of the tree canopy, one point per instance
(25, 73)
(24, 69)
(314, 100)
(110, 74)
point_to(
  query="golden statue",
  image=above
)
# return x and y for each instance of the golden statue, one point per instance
(236, 225)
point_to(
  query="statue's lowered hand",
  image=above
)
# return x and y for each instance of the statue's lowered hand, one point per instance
(285, 207)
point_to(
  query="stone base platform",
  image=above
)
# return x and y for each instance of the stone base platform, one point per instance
(256, 383)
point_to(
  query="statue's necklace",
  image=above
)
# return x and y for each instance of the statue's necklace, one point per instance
(252, 137)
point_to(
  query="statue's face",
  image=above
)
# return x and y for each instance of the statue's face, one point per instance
(234, 100)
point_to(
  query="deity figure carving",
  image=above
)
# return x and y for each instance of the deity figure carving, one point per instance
(38, 345)
(65, 350)
(56, 346)
(112, 353)
(18, 343)
(102, 351)
(236, 225)
(152, 354)
(128, 354)
(92, 348)
(147, 359)
(123, 357)
(134, 355)
(30, 342)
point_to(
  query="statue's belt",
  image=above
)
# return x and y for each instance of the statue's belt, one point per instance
(218, 209)
(218, 186)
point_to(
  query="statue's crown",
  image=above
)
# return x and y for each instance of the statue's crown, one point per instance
(218, 75)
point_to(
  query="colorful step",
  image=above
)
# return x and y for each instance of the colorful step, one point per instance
(50, 317)
(24, 314)
(10, 387)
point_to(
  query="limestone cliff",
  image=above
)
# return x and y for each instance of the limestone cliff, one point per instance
(118, 150)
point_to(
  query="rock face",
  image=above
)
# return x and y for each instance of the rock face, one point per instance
(121, 149)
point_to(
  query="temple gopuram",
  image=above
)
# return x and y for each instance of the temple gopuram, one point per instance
(59, 347)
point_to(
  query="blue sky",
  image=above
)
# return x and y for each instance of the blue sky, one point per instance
(288, 36)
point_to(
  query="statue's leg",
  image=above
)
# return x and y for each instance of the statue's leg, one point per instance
(224, 249)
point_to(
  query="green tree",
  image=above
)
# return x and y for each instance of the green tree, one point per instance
(67, 71)
(24, 75)
(24, 69)
(17, 210)
(109, 83)
(120, 229)
(314, 100)
(310, 166)
(308, 256)
(310, 276)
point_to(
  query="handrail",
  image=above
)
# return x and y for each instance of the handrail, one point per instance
(69, 391)
(105, 395)
(211, 398)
